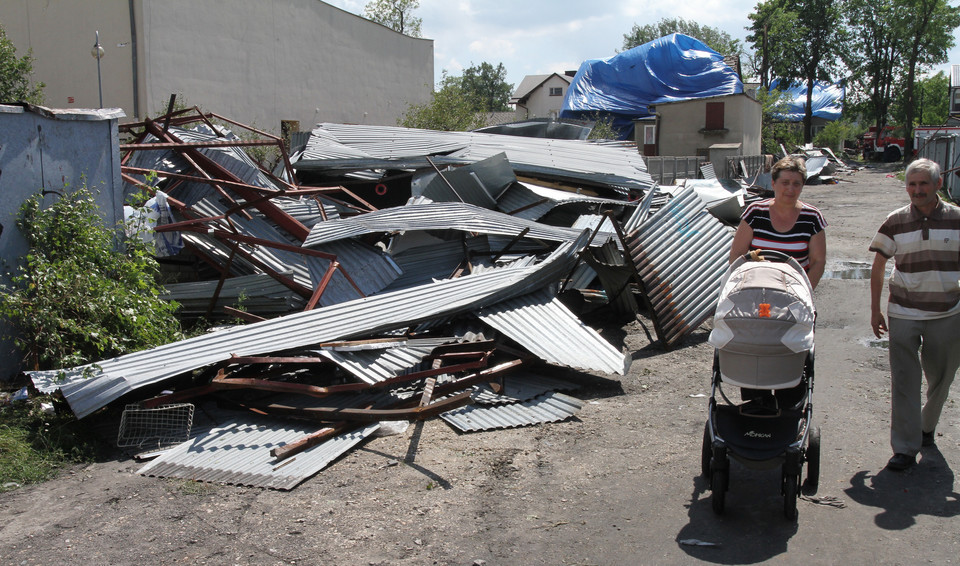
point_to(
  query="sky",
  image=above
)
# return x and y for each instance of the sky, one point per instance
(537, 37)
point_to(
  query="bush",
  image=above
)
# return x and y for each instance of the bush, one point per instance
(82, 295)
(835, 133)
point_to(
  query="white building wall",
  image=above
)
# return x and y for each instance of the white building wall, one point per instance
(253, 61)
(541, 104)
(681, 124)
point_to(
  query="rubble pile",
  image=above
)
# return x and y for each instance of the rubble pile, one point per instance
(382, 274)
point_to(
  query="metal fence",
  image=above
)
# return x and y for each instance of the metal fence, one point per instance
(945, 150)
(666, 169)
(746, 166)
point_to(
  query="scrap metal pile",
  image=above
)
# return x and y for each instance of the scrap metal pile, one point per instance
(385, 274)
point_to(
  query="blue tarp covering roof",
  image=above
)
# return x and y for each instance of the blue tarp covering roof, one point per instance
(669, 69)
(827, 101)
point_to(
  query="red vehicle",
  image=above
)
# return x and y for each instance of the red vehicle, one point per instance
(888, 147)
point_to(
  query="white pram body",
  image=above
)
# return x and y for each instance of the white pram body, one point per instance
(763, 328)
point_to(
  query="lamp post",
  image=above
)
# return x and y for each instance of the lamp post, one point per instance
(97, 53)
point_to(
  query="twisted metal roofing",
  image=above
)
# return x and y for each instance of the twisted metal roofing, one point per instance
(681, 253)
(548, 408)
(239, 453)
(435, 216)
(543, 325)
(616, 165)
(114, 377)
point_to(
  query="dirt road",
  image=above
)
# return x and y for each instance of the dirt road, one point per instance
(618, 485)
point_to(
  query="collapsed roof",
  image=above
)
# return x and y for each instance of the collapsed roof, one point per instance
(416, 274)
(667, 69)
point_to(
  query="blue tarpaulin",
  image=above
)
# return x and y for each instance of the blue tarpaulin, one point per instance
(671, 68)
(827, 101)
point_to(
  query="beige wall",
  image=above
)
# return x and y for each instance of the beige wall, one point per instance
(680, 124)
(254, 61)
(541, 104)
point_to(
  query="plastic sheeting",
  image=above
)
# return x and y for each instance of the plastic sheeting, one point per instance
(669, 69)
(827, 101)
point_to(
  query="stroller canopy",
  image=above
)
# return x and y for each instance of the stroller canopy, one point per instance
(764, 324)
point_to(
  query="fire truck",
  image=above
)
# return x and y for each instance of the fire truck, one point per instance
(888, 147)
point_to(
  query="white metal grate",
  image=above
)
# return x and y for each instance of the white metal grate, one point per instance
(160, 427)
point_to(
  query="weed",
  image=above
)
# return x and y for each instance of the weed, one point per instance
(36, 444)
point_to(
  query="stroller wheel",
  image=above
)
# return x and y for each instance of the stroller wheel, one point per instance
(706, 452)
(718, 486)
(812, 482)
(790, 493)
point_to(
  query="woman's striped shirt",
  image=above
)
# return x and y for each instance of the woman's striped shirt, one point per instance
(794, 242)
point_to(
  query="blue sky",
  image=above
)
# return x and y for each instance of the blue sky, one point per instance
(545, 36)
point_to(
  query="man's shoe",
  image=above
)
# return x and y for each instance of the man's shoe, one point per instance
(901, 462)
(929, 438)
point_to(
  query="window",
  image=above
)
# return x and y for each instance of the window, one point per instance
(714, 116)
(556, 91)
(649, 135)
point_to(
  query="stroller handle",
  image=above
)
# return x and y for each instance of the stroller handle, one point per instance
(766, 255)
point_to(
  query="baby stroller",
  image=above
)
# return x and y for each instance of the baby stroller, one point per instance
(763, 344)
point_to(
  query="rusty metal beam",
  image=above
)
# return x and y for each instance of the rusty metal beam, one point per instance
(372, 415)
(214, 169)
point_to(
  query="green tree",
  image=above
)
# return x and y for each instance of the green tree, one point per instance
(933, 101)
(15, 72)
(487, 87)
(774, 132)
(395, 14)
(81, 296)
(928, 37)
(802, 41)
(716, 39)
(449, 110)
(875, 58)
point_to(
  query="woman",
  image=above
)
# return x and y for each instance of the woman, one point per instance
(784, 223)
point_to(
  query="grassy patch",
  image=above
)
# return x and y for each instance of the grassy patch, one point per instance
(35, 445)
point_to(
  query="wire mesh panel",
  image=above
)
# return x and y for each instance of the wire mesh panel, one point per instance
(159, 427)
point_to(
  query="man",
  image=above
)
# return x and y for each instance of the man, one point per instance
(923, 308)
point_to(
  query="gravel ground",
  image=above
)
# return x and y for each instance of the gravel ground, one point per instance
(618, 485)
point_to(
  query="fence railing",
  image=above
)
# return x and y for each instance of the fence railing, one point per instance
(945, 150)
(666, 169)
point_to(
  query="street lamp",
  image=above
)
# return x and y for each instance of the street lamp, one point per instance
(97, 53)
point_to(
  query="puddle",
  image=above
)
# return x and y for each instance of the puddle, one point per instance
(882, 343)
(847, 270)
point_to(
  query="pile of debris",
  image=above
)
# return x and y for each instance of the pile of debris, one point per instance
(385, 274)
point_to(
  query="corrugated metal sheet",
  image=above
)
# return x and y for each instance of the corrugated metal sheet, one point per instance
(307, 210)
(549, 408)
(525, 200)
(117, 376)
(423, 264)
(543, 325)
(375, 365)
(435, 216)
(520, 385)
(239, 453)
(616, 165)
(478, 183)
(258, 294)
(681, 253)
